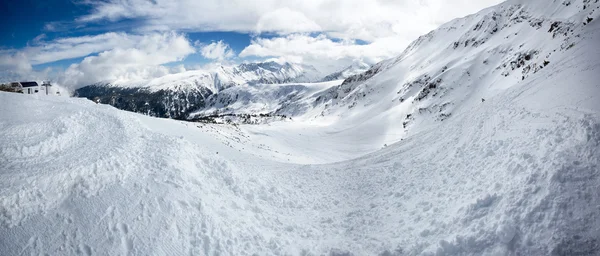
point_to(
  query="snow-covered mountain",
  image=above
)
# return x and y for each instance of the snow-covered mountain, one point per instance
(441, 71)
(269, 100)
(198, 93)
(466, 59)
(482, 138)
(354, 69)
(221, 77)
(175, 95)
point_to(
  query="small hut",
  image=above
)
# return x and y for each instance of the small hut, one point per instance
(30, 87)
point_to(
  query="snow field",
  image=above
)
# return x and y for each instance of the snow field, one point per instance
(517, 174)
(511, 177)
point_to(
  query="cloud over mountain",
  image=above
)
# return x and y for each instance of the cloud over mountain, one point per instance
(131, 39)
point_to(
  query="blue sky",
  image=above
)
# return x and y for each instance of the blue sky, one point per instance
(25, 20)
(76, 42)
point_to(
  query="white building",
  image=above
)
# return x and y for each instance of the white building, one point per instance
(33, 87)
(29, 87)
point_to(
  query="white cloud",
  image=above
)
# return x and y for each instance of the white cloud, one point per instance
(109, 56)
(386, 26)
(143, 60)
(14, 62)
(75, 47)
(65, 48)
(38, 39)
(285, 20)
(217, 51)
(323, 52)
(14, 66)
(352, 19)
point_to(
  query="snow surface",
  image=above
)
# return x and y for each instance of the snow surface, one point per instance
(517, 174)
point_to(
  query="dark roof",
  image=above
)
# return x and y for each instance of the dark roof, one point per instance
(29, 84)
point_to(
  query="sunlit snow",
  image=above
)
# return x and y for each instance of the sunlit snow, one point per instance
(482, 138)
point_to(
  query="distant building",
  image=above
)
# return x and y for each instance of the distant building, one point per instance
(30, 87)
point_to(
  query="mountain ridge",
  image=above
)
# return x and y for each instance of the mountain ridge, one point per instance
(176, 95)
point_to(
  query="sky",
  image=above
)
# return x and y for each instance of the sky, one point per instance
(79, 42)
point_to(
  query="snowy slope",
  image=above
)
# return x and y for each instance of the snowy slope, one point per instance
(511, 177)
(444, 70)
(514, 175)
(450, 69)
(354, 69)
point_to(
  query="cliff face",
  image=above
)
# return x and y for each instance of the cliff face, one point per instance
(162, 103)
